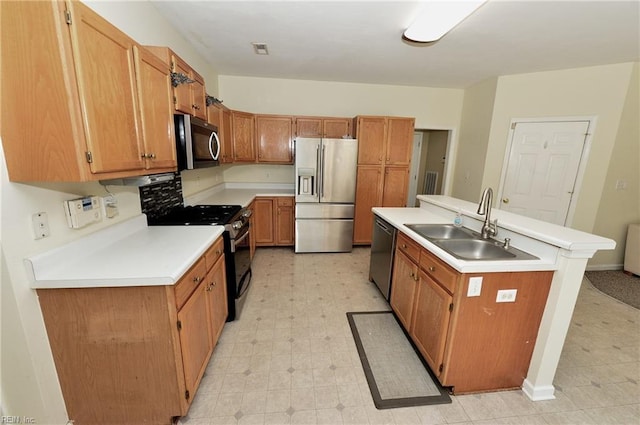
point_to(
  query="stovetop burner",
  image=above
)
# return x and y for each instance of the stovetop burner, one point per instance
(198, 215)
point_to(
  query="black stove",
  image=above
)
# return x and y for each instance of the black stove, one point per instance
(196, 215)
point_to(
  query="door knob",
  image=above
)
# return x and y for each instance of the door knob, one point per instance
(505, 200)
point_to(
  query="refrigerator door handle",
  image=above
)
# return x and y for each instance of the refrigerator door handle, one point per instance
(321, 192)
(318, 173)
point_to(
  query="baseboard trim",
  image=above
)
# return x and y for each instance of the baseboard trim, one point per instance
(603, 267)
(541, 393)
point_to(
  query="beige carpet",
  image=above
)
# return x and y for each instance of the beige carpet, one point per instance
(617, 284)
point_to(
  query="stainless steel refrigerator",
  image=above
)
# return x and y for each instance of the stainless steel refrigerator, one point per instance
(325, 172)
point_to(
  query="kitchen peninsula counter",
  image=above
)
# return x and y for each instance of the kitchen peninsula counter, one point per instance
(125, 254)
(564, 250)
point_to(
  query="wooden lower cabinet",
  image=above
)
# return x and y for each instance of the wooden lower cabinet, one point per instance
(131, 355)
(472, 344)
(274, 221)
(405, 283)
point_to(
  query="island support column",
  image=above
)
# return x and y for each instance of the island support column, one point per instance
(556, 319)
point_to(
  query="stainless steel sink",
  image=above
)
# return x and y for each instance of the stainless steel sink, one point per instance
(475, 249)
(442, 231)
(465, 244)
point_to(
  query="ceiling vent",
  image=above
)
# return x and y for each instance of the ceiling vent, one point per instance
(260, 48)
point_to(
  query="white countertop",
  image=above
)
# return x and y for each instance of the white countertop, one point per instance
(126, 254)
(238, 193)
(535, 237)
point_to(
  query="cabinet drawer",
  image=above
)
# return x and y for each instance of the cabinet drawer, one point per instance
(441, 272)
(189, 282)
(408, 246)
(285, 202)
(213, 253)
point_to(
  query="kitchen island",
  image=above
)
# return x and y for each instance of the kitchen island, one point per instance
(560, 250)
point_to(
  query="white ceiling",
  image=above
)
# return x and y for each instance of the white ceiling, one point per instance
(361, 41)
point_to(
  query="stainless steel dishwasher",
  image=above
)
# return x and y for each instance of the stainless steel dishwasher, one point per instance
(382, 246)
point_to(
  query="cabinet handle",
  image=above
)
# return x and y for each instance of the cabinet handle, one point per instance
(414, 276)
(218, 252)
(432, 269)
(404, 246)
(197, 279)
(194, 106)
(209, 288)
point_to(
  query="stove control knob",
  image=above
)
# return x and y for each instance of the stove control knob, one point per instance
(247, 213)
(237, 225)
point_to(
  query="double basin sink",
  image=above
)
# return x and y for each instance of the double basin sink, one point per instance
(465, 244)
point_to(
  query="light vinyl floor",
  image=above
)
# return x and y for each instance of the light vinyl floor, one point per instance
(291, 359)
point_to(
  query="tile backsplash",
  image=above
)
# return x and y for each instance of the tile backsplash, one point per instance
(158, 199)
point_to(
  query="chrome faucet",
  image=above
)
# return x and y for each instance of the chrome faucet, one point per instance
(489, 229)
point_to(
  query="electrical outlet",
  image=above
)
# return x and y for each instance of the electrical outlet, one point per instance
(40, 223)
(506, 296)
(475, 286)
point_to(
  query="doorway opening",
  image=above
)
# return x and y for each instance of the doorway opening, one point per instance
(429, 164)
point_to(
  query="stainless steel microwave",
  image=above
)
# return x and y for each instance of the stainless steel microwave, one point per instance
(197, 143)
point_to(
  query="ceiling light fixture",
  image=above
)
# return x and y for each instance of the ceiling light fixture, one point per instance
(437, 18)
(260, 48)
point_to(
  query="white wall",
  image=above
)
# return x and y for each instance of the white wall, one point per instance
(598, 91)
(474, 139)
(619, 208)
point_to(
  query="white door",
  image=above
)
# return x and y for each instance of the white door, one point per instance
(415, 168)
(542, 169)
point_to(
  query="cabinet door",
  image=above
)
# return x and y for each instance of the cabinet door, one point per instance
(336, 128)
(198, 96)
(182, 92)
(396, 182)
(216, 284)
(309, 127)
(195, 340)
(263, 219)
(226, 137)
(156, 110)
(368, 195)
(372, 133)
(399, 144)
(403, 288)
(274, 135)
(284, 221)
(431, 321)
(104, 65)
(243, 136)
(214, 116)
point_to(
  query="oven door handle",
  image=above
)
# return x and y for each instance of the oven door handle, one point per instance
(239, 240)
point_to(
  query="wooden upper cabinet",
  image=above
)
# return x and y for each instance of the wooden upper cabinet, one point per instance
(384, 140)
(308, 127)
(98, 46)
(332, 128)
(188, 97)
(156, 110)
(214, 115)
(243, 134)
(336, 128)
(81, 72)
(181, 92)
(371, 135)
(399, 140)
(274, 135)
(225, 133)
(198, 96)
